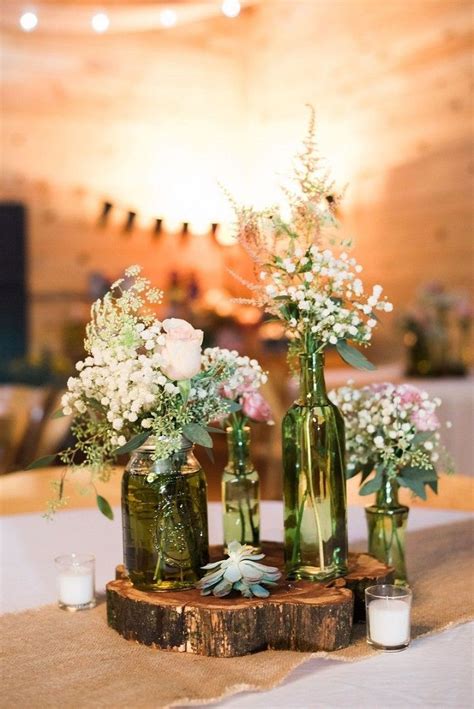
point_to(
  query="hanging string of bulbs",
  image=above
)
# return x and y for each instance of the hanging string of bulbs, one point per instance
(100, 21)
(221, 233)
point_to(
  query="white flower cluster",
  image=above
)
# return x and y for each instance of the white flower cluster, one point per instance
(247, 375)
(321, 295)
(395, 427)
(128, 382)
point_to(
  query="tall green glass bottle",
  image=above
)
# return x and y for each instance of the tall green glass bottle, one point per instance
(314, 485)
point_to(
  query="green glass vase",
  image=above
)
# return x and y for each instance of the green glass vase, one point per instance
(314, 485)
(387, 522)
(240, 491)
(164, 520)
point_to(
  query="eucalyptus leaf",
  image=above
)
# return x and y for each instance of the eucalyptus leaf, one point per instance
(414, 484)
(233, 406)
(373, 485)
(416, 473)
(42, 462)
(214, 429)
(133, 443)
(196, 433)
(433, 484)
(104, 507)
(59, 414)
(351, 472)
(95, 404)
(421, 437)
(210, 454)
(353, 357)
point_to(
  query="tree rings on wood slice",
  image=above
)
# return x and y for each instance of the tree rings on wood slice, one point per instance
(298, 615)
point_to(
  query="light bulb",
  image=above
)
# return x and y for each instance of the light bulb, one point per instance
(100, 22)
(28, 21)
(168, 18)
(231, 8)
(225, 235)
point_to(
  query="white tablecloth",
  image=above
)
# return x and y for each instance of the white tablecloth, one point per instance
(433, 672)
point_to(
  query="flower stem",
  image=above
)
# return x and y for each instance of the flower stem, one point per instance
(309, 477)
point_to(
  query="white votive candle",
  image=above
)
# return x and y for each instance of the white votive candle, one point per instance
(388, 616)
(389, 622)
(76, 587)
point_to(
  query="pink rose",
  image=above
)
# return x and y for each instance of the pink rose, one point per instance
(255, 407)
(182, 349)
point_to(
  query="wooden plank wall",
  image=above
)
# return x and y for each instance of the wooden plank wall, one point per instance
(153, 120)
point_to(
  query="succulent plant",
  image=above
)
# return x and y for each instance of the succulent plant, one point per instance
(240, 572)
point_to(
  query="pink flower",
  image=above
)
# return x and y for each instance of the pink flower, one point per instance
(227, 392)
(255, 407)
(182, 349)
(425, 420)
(409, 394)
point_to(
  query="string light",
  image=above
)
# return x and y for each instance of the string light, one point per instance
(100, 22)
(168, 18)
(230, 8)
(28, 21)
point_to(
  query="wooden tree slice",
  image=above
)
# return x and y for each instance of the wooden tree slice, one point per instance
(298, 615)
(365, 571)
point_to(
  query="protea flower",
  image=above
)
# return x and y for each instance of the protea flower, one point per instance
(240, 572)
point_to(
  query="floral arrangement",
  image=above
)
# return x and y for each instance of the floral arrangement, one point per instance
(392, 432)
(142, 379)
(242, 387)
(240, 572)
(315, 291)
(437, 332)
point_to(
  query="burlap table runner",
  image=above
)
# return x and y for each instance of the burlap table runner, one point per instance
(57, 659)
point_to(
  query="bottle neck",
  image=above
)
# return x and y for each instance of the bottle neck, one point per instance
(238, 445)
(312, 384)
(387, 496)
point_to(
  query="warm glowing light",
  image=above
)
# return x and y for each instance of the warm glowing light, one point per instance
(199, 228)
(28, 21)
(225, 235)
(248, 315)
(172, 225)
(168, 18)
(100, 22)
(231, 8)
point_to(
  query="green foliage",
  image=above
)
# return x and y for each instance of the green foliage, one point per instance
(353, 357)
(374, 484)
(196, 433)
(104, 507)
(42, 462)
(132, 444)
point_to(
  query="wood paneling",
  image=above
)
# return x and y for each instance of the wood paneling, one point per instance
(153, 120)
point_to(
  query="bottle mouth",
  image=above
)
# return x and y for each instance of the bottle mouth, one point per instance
(150, 445)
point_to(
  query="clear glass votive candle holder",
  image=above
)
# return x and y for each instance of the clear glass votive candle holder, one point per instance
(388, 610)
(76, 581)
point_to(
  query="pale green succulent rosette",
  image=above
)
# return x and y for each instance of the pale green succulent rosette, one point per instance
(240, 572)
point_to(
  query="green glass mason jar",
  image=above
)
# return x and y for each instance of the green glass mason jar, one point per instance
(387, 523)
(164, 519)
(240, 491)
(314, 485)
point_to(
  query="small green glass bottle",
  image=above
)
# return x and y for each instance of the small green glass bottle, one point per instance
(387, 522)
(314, 485)
(240, 491)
